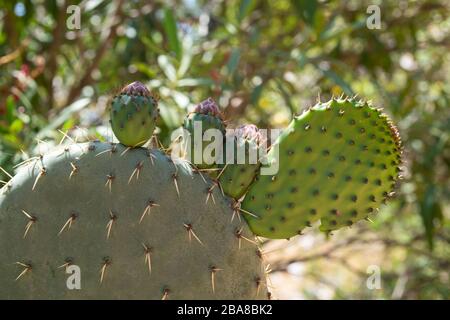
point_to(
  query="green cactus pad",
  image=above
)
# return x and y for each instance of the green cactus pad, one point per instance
(207, 115)
(136, 223)
(133, 115)
(338, 162)
(238, 175)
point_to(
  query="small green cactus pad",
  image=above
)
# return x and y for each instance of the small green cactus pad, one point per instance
(133, 115)
(138, 224)
(338, 162)
(239, 173)
(207, 115)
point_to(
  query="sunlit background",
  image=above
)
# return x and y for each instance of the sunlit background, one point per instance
(263, 61)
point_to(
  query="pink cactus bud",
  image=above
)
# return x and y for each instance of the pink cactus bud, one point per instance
(136, 88)
(209, 107)
(249, 132)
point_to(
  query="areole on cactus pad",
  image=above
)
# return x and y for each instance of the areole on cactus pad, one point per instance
(140, 224)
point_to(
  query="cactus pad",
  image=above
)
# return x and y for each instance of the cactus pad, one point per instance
(338, 162)
(138, 224)
(133, 115)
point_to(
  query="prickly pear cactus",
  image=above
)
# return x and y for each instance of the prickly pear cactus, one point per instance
(133, 115)
(126, 217)
(206, 116)
(338, 162)
(238, 173)
(141, 225)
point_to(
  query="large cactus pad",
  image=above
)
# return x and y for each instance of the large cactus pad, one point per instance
(338, 162)
(136, 223)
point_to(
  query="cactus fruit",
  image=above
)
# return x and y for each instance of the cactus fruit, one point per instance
(127, 219)
(338, 162)
(133, 115)
(206, 118)
(241, 165)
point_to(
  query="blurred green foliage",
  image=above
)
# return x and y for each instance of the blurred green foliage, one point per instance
(264, 61)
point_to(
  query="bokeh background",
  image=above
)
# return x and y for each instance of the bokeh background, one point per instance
(263, 61)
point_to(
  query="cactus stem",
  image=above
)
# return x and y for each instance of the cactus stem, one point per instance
(213, 270)
(106, 263)
(147, 209)
(166, 292)
(148, 260)
(27, 268)
(74, 170)
(31, 221)
(68, 223)
(191, 233)
(39, 176)
(136, 171)
(109, 225)
(109, 181)
(6, 172)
